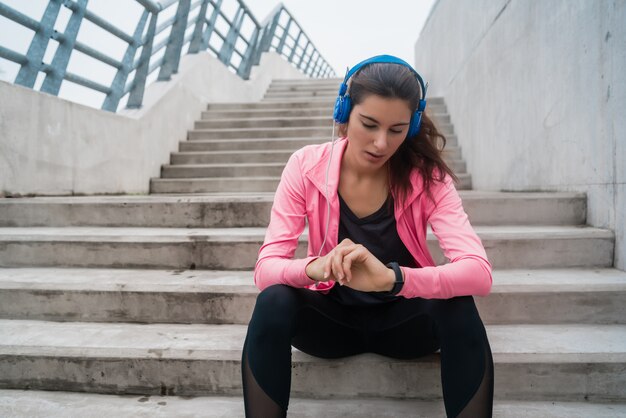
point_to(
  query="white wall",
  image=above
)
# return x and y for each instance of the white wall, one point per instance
(537, 93)
(51, 146)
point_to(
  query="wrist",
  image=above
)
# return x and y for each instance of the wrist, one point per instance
(398, 277)
(391, 280)
(310, 269)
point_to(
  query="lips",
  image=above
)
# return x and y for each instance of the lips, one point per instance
(374, 155)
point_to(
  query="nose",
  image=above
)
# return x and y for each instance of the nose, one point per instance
(381, 140)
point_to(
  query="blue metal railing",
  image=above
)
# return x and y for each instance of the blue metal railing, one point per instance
(275, 33)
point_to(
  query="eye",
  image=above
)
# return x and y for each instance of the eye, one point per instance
(396, 132)
(369, 126)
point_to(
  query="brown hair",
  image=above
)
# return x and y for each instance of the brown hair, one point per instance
(424, 150)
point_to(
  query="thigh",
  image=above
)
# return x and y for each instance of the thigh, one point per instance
(326, 328)
(403, 329)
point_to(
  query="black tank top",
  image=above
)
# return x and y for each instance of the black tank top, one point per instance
(378, 233)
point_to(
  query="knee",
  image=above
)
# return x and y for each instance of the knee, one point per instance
(275, 306)
(277, 297)
(459, 314)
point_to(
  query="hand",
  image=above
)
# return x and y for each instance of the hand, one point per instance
(352, 265)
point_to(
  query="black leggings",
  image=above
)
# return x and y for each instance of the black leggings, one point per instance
(404, 329)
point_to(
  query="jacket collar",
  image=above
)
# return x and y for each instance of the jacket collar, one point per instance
(317, 174)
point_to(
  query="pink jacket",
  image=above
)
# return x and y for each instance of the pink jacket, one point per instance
(300, 196)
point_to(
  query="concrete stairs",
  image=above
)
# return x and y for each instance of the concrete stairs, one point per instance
(141, 303)
(245, 148)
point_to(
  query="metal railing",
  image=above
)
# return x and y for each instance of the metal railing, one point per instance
(279, 32)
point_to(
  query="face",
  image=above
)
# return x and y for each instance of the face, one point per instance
(376, 129)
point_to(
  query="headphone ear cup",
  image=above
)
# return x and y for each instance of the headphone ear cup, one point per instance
(414, 126)
(342, 109)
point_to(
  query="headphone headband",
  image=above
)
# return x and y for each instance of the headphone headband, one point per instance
(388, 59)
(343, 103)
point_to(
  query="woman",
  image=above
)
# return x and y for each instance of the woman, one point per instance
(369, 283)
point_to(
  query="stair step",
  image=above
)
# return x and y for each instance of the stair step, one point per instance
(297, 104)
(259, 156)
(266, 144)
(260, 144)
(55, 404)
(222, 170)
(542, 296)
(318, 92)
(289, 113)
(236, 210)
(330, 86)
(282, 122)
(434, 106)
(262, 133)
(238, 184)
(265, 122)
(237, 248)
(305, 81)
(327, 86)
(532, 362)
(265, 113)
(246, 170)
(283, 104)
(327, 98)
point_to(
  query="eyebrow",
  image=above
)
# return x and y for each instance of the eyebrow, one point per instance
(375, 121)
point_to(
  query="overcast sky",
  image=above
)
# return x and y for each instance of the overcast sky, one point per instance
(344, 31)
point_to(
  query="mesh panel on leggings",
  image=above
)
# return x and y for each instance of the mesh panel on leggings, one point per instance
(481, 404)
(256, 402)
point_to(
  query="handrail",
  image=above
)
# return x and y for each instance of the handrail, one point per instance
(275, 33)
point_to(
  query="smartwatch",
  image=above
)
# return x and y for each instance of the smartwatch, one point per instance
(397, 285)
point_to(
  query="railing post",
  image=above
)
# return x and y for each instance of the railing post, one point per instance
(119, 82)
(316, 65)
(266, 39)
(196, 39)
(308, 64)
(141, 74)
(283, 38)
(206, 36)
(53, 80)
(171, 59)
(295, 45)
(37, 49)
(226, 51)
(246, 63)
(308, 42)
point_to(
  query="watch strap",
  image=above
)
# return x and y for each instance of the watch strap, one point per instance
(399, 283)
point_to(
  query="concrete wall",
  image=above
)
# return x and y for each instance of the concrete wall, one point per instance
(51, 146)
(537, 93)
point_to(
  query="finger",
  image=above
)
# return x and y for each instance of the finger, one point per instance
(334, 260)
(329, 270)
(347, 265)
(350, 254)
(346, 241)
(358, 254)
(337, 260)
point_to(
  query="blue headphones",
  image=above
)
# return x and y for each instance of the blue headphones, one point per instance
(344, 102)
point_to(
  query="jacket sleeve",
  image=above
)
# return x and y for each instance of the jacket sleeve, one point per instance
(275, 263)
(469, 270)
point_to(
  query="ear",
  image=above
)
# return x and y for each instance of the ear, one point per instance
(343, 129)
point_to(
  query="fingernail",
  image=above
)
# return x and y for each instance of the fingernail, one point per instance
(326, 275)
